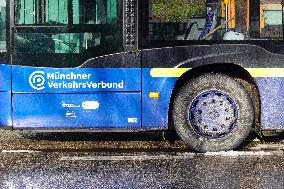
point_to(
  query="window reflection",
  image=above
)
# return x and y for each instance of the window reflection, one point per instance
(56, 43)
(214, 20)
(41, 11)
(94, 12)
(91, 24)
(56, 12)
(3, 26)
(66, 34)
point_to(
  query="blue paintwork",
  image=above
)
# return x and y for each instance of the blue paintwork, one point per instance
(106, 110)
(213, 114)
(5, 78)
(272, 102)
(46, 80)
(42, 107)
(55, 98)
(5, 95)
(155, 111)
(6, 109)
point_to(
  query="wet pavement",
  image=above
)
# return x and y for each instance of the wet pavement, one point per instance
(109, 161)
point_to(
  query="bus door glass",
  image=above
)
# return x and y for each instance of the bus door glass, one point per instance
(63, 73)
(216, 20)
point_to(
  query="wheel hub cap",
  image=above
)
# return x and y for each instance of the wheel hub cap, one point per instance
(213, 114)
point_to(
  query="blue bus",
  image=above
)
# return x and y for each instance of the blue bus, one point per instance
(211, 70)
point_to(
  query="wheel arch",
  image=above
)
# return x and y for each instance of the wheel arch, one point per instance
(237, 72)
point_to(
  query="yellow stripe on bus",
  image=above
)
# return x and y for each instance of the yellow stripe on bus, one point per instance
(266, 72)
(168, 72)
(255, 72)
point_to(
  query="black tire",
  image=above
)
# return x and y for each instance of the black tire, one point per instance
(185, 100)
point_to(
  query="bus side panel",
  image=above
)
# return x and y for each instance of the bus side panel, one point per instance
(6, 109)
(5, 78)
(5, 95)
(155, 111)
(66, 80)
(95, 110)
(272, 102)
(76, 97)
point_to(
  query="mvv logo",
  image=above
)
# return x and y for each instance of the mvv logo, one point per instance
(37, 80)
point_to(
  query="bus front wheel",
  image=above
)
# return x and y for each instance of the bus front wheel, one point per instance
(213, 112)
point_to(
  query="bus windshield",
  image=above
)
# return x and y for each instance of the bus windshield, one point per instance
(214, 20)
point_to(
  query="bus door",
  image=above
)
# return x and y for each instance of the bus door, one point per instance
(57, 81)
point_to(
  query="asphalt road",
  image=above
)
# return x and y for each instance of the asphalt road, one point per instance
(108, 161)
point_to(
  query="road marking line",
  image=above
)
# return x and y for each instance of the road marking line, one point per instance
(20, 151)
(170, 157)
(244, 153)
(268, 146)
(127, 158)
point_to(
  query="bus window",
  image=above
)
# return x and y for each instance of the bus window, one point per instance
(88, 27)
(52, 12)
(41, 12)
(56, 42)
(271, 19)
(214, 20)
(176, 20)
(3, 26)
(95, 12)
